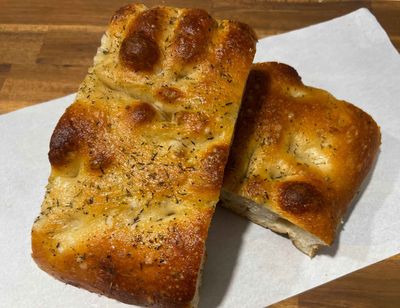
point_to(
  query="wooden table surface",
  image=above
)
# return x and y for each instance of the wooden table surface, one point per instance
(47, 46)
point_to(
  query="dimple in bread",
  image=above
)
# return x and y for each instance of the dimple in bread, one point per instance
(298, 158)
(138, 159)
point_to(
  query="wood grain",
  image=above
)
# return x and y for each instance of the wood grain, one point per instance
(47, 46)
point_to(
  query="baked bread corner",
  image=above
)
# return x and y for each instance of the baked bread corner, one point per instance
(298, 158)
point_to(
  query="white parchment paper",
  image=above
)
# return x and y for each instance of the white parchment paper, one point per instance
(247, 266)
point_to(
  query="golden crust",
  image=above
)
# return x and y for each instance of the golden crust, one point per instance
(138, 159)
(299, 151)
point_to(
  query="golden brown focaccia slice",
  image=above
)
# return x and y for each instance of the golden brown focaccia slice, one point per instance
(298, 157)
(138, 159)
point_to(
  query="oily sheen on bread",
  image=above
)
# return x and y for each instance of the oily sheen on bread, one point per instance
(137, 161)
(298, 158)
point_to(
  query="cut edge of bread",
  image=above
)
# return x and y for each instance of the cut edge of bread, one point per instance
(196, 298)
(261, 215)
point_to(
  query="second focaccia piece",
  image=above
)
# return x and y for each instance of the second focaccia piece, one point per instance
(138, 159)
(298, 157)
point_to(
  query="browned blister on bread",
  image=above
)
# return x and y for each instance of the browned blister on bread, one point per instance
(298, 158)
(138, 159)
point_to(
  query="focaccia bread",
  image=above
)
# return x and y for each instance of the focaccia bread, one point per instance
(138, 159)
(298, 157)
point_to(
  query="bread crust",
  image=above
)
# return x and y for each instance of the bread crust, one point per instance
(298, 151)
(138, 159)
